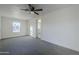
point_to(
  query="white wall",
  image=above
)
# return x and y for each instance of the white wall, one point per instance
(7, 27)
(0, 27)
(61, 27)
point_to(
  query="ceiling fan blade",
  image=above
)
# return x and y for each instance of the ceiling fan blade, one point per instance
(38, 10)
(25, 9)
(31, 7)
(36, 13)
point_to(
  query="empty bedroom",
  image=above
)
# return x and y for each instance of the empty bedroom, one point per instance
(39, 29)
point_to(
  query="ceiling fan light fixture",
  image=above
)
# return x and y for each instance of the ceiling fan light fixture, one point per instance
(31, 12)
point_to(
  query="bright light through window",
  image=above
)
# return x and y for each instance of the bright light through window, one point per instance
(16, 26)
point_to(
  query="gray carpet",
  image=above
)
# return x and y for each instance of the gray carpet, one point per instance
(29, 46)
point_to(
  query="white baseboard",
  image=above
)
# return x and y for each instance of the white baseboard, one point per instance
(60, 45)
(14, 37)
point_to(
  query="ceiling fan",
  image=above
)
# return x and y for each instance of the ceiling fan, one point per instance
(32, 9)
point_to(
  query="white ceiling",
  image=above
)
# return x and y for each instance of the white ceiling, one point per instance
(47, 8)
(14, 10)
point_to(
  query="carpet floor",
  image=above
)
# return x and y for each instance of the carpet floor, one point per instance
(30, 46)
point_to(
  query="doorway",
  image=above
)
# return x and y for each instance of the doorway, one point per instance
(38, 28)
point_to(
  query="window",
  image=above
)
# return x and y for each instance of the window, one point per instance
(16, 26)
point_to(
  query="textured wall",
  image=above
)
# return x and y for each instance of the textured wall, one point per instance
(7, 27)
(0, 27)
(61, 27)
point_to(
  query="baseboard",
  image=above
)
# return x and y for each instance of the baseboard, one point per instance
(59, 45)
(13, 37)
